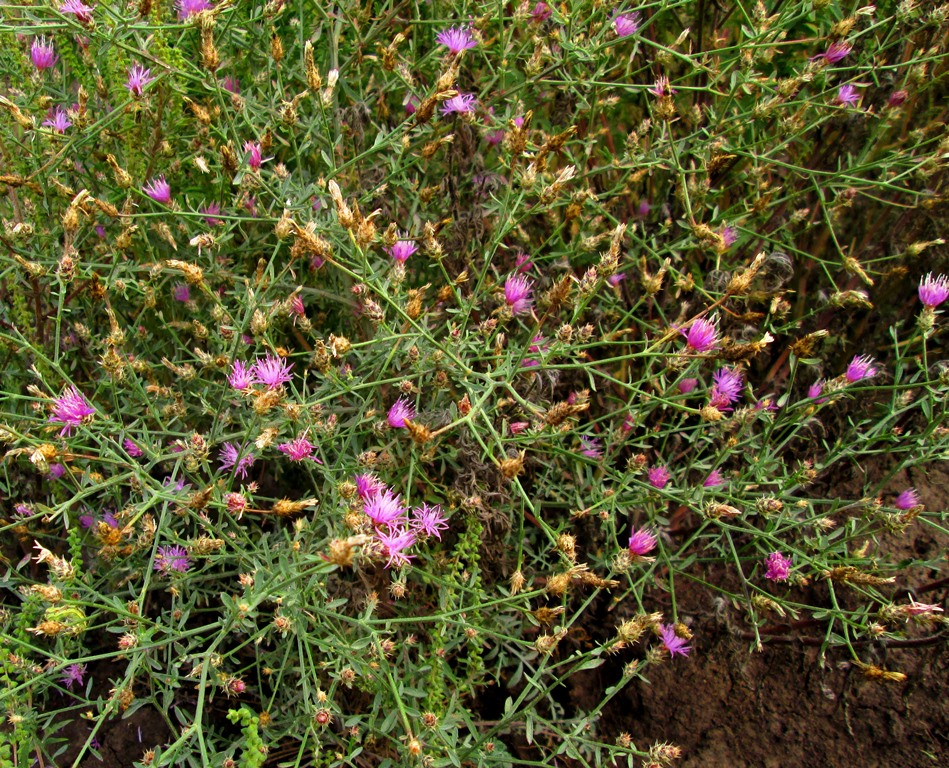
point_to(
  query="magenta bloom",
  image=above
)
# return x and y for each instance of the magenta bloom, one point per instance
(43, 54)
(400, 411)
(462, 104)
(24, 510)
(687, 385)
(848, 95)
(672, 642)
(861, 367)
(616, 279)
(74, 674)
(132, 449)
(385, 508)
(815, 390)
(241, 376)
(231, 85)
(658, 477)
(591, 447)
(701, 335)
(625, 24)
(181, 292)
(296, 305)
(368, 485)
(429, 520)
(933, 291)
(726, 388)
(188, 8)
(158, 190)
(729, 235)
(272, 371)
(662, 87)
(402, 248)
(232, 456)
(516, 427)
(210, 211)
(456, 39)
(58, 120)
(835, 52)
(517, 294)
(395, 542)
(172, 559)
(907, 500)
(714, 479)
(297, 449)
(641, 542)
(253, 151)
(139, 77)
(897, 98)
(777, 567)
(71, 410)
(541, 12)
(82, 12)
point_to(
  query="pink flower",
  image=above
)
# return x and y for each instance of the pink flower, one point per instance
(625, 24)
(58, 120)
(494, 137)
(672, 642)
(74, 674)
(516, 427)
(132, 449)
(71, 410)
(210, 211)
(907, 500)
(296, 305)
(777, 567)
(658, 477)
(687, 385)
(43, 54)
(836, 51)
(815, 390)
(541, 12)
(385, 508)
(231, 85)
(462, 104)
(236, 503)
(253, 151)
(234, 456)
(181, 292)
(188, 8)
(714, 479)
(522, 262)
(726, 388)
(662, 87)
(400, 411)
(517, 294)
(395, 542)
(861, 367)
(158, 190)
(591, 447)
(139, 77)
(297, 449)
(410, 102)
(701, 335)
(402, 248)
(429, 520)
(641, 542)
(368, 485)
(616, 279)
(933, 291)
(272, 371)
(77, 8)
(729, 235)
(169, 559)
(456, 39)
(241, 377)
(897, 98)
(847, 95)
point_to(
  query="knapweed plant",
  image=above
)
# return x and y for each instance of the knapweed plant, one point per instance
(372, 369)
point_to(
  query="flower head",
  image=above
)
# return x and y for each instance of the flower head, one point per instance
(77, 8)
(897, 98)
(848, 95)
(272, 371)
(395, 541)
(907, 500)
(625, 24)
(400, 411)
(462, 104)
(74, 674)
(402, 248)
(297, 449)
(540, 12)
(237, 457)
(687, 385)
(672, 642)
(517, 293)
(777, 567)
(139, 77)
(836, 51)
(726, 388)
(592, 448)
(658, 477)
(181, 292)
(933, 291)
(429, 520)
(58, 120)
(188, 8)
(368, 485)
(385, 508)
(861, 367)
(456, 39)
(714, 479)
(241, 377)
(641, 542)
(172, 559)
(158, 190)
(662, 87)
(71, 410)
(254, 154)
(815, 390)
(132, 449)
(24, 510)
(729, 235)
(701, 335)
(43, 54)
(231, 85)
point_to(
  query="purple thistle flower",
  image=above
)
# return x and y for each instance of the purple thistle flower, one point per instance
(726, 388)
(933, 291)
(662, 87)
(616, 279)
(591, 447)
(210, 211)
(848, 95)
(907, 500)
(701, 335)
(74, 674)
(188, 8)
(24, 510)
(729, 235)
(815, 390)
(139, 77)
(297, 306)
(462, 104)
(400, 411)
(254, 152)
(58, 120)
(71, 410)
(368, 485)
(897, 98)
(456, 39)
(181, 292)
(272, 371)
(522, 262)
(385, 508)
(297, 449)
(402, 248)
(641, 542)
(158, 190)
(658, 477)
(626, 24)
(132, 449)
(172, 559)
(777, 567)
(687, 385)
(672, 642)
(861, 367)
(232, 456)
(429, 520)
(77, 8)
(540, 12)
(231, 85)
(241, 377)
(835, 52)
(517, 294)
(395, 542)
(714, 479)
(43, 54)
